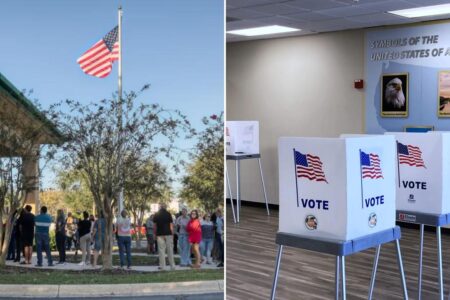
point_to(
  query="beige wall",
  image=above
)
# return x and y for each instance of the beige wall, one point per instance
(299, 86)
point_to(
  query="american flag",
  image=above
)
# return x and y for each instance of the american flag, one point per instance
(309, 166)
(370, 165)
(410, 155)
(98, 60)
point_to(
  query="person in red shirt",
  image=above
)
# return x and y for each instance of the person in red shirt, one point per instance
(194, 230)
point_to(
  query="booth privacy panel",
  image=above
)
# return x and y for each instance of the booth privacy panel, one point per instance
(422, 174)
(326, 192)
(242, 137)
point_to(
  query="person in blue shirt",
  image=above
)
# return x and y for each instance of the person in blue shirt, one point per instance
(219, 236)
(43, 222)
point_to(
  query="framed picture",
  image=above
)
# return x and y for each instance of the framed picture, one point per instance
(394, 95)
(411, 128)
(444, 94)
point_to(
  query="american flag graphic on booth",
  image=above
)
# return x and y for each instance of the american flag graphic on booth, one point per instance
(410, 155)
(98, 60)
(370, 165)
(309, 166)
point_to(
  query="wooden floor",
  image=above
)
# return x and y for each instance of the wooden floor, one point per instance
(250, 261)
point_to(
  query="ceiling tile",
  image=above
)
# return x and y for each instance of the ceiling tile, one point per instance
(281, 20)
(319, 15)
(346, 11)
(384, 6)
(278, 9)
(340, 23)
(428, 2)
(362, 2)
(380, 18)
(244, 13)
(309, 16)
(246, 3)
(315, 4)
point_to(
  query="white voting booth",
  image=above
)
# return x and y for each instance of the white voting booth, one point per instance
(423, 170)
(422, 183)
(242, 143)
(242, 137)
(338, 188)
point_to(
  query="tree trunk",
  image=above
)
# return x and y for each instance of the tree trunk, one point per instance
(108, 242)
(138, 232)
(4, 243)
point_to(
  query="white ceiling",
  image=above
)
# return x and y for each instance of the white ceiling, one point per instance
(314, 16)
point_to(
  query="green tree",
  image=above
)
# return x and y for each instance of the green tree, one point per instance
(203, 184)
(53, 200)
(148, 184)
(105, 152)
(76, 194)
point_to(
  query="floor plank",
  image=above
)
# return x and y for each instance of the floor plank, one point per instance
(250, 261)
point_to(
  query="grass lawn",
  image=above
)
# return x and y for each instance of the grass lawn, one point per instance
(133, 250)
(136, 260)
(17, 275)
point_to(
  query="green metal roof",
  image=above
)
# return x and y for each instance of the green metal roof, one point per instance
(28, 105)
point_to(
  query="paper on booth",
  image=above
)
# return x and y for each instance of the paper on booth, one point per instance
(338, 188)
(422, 175)
(242, 137)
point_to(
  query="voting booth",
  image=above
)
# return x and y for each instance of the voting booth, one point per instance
(422, 182)
(242, 143)
(338, 188)
(242, 137)
(423, 169)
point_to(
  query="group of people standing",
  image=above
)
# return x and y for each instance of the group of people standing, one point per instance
(22, 236)
(29, 227)
(196, 234)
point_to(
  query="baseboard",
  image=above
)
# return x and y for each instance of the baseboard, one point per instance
(254, 204)
(276, 207)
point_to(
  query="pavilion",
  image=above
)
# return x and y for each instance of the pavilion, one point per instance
(15, 106)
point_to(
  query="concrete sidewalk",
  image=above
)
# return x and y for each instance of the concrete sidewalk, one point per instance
(76, 267)
(8, 291)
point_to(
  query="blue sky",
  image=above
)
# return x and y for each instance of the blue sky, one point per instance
(177, 46)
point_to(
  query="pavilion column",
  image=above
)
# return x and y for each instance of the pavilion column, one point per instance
(31, 181)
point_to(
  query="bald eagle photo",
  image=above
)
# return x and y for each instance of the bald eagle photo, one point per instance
(394, 95)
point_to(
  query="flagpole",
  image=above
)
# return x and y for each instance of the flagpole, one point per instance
(119, 96)
(296, 180)
(398, 164)
(360, 172)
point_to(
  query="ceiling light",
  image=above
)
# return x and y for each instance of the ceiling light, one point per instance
(274, 29)
(423, 11)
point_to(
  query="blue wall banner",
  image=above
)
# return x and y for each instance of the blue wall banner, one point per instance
(407, 82)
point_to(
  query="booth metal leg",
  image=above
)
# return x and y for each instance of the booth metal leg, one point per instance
(419, 283)
(336, 279)
(400, 267)
(374, 271)
(264, 186)
(344, 293)
(231, 195)
(277, 270)
(439, 244)
(238, 189)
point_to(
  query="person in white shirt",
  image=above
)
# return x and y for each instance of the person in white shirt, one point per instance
(124, 238)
